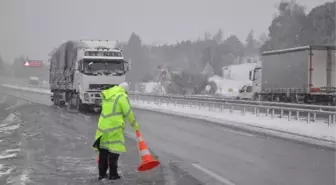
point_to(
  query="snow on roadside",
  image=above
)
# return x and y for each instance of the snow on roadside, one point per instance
(316, 129)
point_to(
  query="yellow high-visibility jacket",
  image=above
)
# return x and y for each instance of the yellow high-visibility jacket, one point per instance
(115, 109)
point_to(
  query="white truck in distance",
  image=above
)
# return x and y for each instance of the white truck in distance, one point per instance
(79, 70)
(303, 74)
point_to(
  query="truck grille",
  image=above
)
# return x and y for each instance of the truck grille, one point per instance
(99, 86)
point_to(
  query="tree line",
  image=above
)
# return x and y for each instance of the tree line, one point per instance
(194, 56)
(291, 27)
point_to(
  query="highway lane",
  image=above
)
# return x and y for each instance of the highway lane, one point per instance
(243, 158)
(216, 154)
(53, 146)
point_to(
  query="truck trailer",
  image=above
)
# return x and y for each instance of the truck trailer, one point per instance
(79, 70)
(302, 74)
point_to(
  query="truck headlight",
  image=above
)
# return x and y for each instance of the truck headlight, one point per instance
(86, 96)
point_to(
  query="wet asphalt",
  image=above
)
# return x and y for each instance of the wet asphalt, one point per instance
(55, 149)
(43, 144)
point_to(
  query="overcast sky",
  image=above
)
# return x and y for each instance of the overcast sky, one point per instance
(35, 27)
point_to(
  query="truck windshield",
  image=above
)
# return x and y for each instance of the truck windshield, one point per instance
(103, 67)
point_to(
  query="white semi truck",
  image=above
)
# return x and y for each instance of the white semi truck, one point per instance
(79, 70)
(303, 74)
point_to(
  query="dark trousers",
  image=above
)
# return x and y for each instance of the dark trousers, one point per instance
(108, 160)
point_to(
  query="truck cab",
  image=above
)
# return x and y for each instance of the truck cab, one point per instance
(80, 70)
(245, 92)
(96, 70)
(251, 91)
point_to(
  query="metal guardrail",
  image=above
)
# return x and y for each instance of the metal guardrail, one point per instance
(220, 99)
(246, 102)
(289, 113)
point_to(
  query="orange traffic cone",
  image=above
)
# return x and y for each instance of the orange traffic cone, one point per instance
(146, 158)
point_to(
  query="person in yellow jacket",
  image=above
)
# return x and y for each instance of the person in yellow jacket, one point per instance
(109, 139)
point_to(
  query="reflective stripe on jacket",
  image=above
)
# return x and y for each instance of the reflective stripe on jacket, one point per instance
(111, 124)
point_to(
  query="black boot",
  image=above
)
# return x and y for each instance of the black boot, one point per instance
(113, 173)
(102, 177)
(115, 177)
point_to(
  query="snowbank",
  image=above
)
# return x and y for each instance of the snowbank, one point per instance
(295, 129)
(150, 86)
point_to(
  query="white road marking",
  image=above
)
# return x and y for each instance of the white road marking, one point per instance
(213, 175)
(237, 132)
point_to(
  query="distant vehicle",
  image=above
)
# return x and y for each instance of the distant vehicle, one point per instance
(79, 70)
(33, 80)
(246, 92)
(303, 74)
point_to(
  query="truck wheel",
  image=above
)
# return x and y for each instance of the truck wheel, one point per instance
(80, 106)
(255, 97)
(56, 100)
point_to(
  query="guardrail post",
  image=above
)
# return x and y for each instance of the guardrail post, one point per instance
(289, 115)
(272, 112)
(157, 101)
(244, 111)
(281, 113)
(267, 112)
(231, 110)
(308, 118)
(297, 115)
(255, 111)
(314, 117)
(329, 119)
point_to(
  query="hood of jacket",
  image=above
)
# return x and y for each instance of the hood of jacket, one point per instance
(111, 92)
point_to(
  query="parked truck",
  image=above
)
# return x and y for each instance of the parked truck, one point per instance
(79, 70)
(302, 74)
